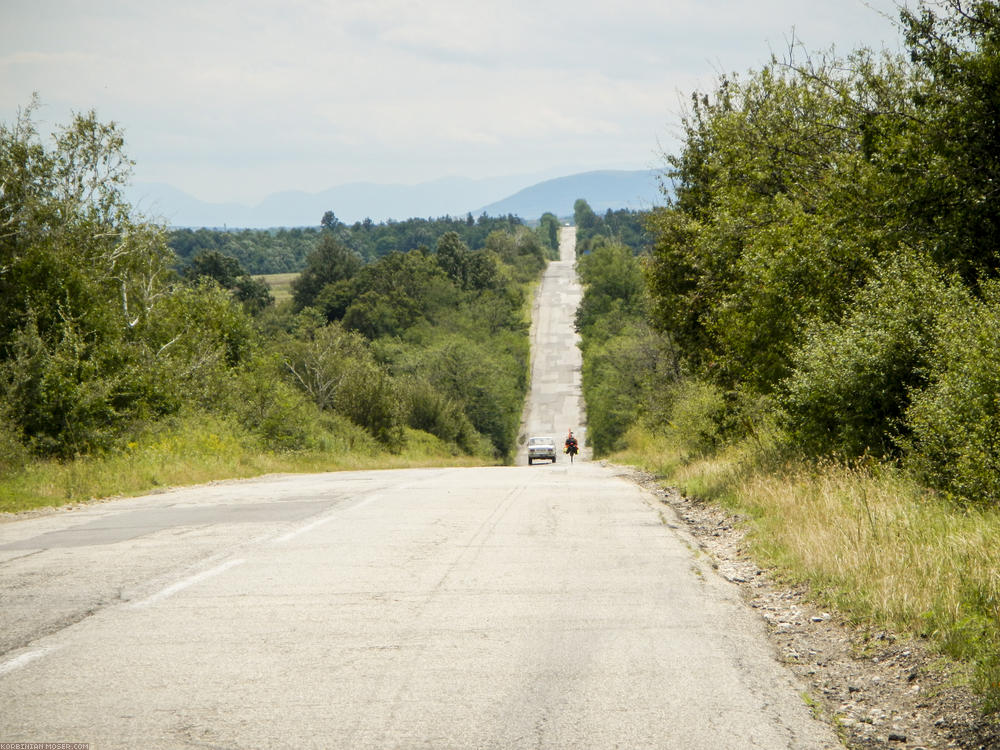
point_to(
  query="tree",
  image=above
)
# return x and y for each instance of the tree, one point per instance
(80, 278)
(781, 212)
(583, 216)
(454, 258)
(951, 151)
(548, 231)
(329, 263)
(214, 265)
(252, 293)
(613, 279)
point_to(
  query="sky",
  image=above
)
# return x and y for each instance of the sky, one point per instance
(231, 101)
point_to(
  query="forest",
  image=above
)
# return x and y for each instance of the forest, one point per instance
(813, 336)
(115, 349)
(284, 250)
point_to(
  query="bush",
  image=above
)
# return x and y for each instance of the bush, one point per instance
(428, 410)
(852, 379)
(623, 378)
(695, 417)
(13, 454)
(955, 421)
(275, 410)
(67, 396)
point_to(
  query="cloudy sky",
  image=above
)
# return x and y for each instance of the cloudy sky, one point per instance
(231, 101)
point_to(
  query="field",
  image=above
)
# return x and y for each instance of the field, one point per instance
(280, 284)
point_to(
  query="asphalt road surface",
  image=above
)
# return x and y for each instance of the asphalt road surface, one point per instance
(551, 606)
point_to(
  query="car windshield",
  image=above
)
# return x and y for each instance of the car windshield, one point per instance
(540, 441)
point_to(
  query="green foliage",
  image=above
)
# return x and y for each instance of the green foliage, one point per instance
(820, 207)
(79, 277)
(612, 278)
(266, 251)
(269, 406)
(548, 234)
(955, 421)
(696, 413)
(626, 365)
(229, 274)
(952, 152)
(623, 227)
(101, 341)
(336, 369)
(767, 230)
(260, 251)
(449, 328)
(852, 380)
(330, 263)
(428, 409)
(488, 378)
(398, 291)
(521, 251)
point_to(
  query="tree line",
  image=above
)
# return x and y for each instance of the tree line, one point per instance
(826, 273)
(284, 250)
(624, 225)
(105, 336)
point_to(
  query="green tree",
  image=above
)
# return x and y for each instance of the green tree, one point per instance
(780, 212)
(79, 278)
(948, 167)
(612, 278)
(214, 265)
(252, 293)
(954, 422)
(454, 258)
(329, 263)
(548, 232)
(853, 379)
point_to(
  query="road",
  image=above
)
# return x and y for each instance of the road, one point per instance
(551, 606)
(555, 403)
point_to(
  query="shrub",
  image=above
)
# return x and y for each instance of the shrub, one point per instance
(852, 379)
(428, 410)
(695, 417)
(955, 421)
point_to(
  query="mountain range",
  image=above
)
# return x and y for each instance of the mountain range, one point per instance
(603, 190)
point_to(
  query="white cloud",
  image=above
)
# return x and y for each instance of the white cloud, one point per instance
(232, 100)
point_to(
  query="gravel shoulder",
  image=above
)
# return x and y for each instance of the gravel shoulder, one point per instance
(878, 689)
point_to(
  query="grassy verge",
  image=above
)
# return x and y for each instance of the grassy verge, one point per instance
(196, 450)
(867, 540)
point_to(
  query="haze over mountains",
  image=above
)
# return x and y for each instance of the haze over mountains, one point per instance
(636, 190)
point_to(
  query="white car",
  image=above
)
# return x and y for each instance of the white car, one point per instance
(541, 447)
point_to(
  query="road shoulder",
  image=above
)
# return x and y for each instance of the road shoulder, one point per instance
(878, 689)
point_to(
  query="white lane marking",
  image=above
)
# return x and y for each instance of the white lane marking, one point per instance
(364, 502)
(24, 659)
(301, 530)
(319, 522)
(190, 581)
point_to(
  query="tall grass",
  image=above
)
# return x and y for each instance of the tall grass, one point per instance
(202, 448)
(867, 539)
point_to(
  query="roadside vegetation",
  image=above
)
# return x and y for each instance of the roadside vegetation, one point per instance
(813, 339)
(123, 368)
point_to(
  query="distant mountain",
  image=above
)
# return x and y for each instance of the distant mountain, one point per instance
(637, 190)
(449, 196)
